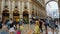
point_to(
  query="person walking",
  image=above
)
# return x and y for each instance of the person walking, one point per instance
(37, 30)
(40, 25)
(46, 24)
(11, 29)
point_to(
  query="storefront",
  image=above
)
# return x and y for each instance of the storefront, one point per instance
(26, 17)
(16, 15)
(5, 14)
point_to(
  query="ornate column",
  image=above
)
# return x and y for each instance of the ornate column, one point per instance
(59, 9)
(29, 11)
(12, 5)
(22, 9)
(19, 7)
(9, 6)
(2, 6)
(0, 9)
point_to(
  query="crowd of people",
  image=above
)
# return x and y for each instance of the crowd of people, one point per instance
(53, 24)
(14, 27)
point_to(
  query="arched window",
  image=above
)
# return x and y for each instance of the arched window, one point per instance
(52, 9)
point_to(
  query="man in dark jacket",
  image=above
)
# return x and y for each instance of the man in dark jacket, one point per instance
(40, 25)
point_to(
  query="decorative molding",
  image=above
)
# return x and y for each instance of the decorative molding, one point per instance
(38, 3)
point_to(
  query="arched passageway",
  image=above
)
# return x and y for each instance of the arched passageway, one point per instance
(16, 15)
(52, 9)
(5, 14)
(26, 17)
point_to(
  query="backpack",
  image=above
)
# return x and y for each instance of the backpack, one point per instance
(18, 32)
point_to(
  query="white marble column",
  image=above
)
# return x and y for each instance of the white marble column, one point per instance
(22, 7)
(2, 6)
(13, 2)
(29, 13)
(0, 10)
(9, 6)
(18, 2)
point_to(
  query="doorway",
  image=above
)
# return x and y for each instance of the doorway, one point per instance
(25, 17)
(16, 15)
(5, 14)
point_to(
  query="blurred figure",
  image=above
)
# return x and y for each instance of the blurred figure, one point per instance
(18, 32)
(11, 29)
(0, 21)
(17, 26)
(3, 21)
(8, 23)
(14, 23)
(46, 24)
(2, 30)
(0, 26)
(21, 22)
(21, 27)
(7, 20)
(56, 25)
(32, 21)
(40, 25)
(4, 26)
(37, 30)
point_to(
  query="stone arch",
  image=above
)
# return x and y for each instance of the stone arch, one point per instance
(5, 14)
(51, 9)
(50, 1)
(26, 17)
(16, 15)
